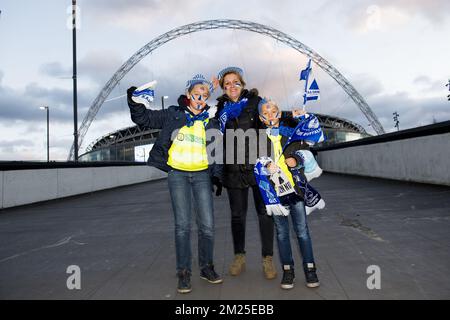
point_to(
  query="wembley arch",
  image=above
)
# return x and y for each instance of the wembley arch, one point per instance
(224, 24)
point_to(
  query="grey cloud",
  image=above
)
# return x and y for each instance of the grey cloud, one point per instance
(96, 66)
(413, 112)
(5, 151)
(120, 6)
(21, 106)
(10, 149)
(161, 16)
(16, 143)
(24, 104)
(142, 14)
(422, 80)
(366, 85)
(55, 69)
(60, 142)
(355, 13)
(99, 66)
(428, 84)
(435, 11)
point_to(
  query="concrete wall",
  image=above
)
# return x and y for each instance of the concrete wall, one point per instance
(421, 159)
(18, 187)
(1, 189)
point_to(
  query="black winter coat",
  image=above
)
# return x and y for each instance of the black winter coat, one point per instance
(241, 175)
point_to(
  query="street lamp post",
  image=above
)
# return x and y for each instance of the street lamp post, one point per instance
(74, 77)
(115, 145)
(162, 101)
(48, 129)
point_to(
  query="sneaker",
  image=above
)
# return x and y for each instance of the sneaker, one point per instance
(312, 281)
(208, 274)
(268, 268)
(184, 281)
(288, 277)
(238, 264)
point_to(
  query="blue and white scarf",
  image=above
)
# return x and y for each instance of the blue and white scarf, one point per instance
(201, 116)
(308, 129)
(271, 199)
(230, 111)
(284, 131)
(312, 198)
(276, 202)
(310, 165)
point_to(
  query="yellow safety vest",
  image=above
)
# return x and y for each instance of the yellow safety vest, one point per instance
(279, 157)
(188, 150)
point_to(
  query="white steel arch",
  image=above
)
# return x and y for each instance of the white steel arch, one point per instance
(225, 24)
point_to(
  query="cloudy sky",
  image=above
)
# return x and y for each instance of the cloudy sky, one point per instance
(395, 53)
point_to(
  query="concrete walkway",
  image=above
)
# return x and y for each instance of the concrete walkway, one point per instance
(122, 240)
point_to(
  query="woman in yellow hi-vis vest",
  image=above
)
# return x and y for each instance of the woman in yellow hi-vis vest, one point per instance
(190, 176)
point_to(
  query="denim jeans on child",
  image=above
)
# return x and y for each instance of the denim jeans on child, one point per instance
(298, 217)
(185, 186)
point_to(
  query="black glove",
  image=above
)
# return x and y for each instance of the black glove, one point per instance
(130, 91)
(216, 182)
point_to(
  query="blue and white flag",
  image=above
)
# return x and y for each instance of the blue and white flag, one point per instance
(145, 94)
(308, 129)
(304, 74)
(313, 92)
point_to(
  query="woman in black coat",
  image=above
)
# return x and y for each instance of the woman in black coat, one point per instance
(238, 178)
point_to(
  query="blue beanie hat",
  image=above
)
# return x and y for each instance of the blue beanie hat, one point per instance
(228, 70)
(199, 79)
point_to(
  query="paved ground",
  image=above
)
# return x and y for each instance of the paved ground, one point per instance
(122, 239)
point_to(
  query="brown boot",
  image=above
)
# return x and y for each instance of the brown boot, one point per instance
(238, 264)
(269, 268)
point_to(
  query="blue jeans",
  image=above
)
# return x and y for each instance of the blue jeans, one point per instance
(300, 225)
(185, 186)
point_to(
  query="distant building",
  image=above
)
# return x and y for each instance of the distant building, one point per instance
(339, 130)
(134, 144)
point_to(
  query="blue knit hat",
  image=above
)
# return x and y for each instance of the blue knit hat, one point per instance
(228, 70)
(199, 79)
(262, 102)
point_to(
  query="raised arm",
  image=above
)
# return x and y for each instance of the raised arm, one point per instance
(143, 117)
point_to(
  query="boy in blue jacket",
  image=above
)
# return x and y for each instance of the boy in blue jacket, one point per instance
(180, 150)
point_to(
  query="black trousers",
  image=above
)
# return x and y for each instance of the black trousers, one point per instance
(239, 204)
